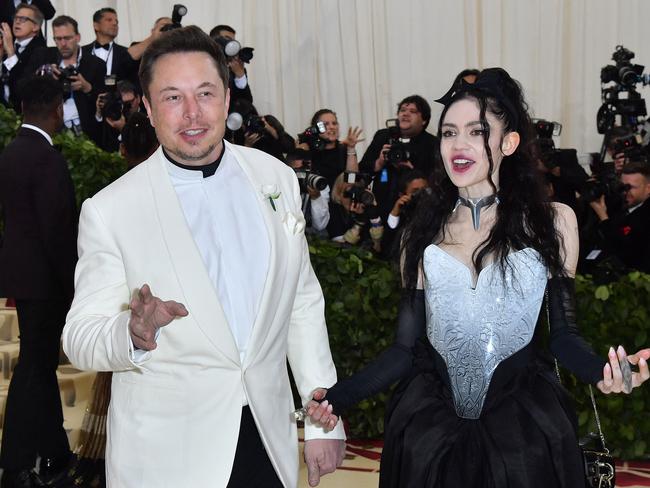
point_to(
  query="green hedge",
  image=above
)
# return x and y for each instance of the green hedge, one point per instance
(362, 294)
(361, 307)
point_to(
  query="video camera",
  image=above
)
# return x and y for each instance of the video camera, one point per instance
(312, 136)
(624, 76)
(400, 147)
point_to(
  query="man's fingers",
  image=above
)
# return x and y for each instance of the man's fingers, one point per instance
(313, 472)
(175, 308)
(145, 293)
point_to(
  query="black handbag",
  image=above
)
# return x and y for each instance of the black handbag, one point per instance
(600, 470)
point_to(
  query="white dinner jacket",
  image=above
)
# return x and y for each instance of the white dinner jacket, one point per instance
(174, 417)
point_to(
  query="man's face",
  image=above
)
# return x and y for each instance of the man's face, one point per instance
(162, 22)
(225, 33)
(131, 101)
(67, 42)
(415, 186)
(188, 107)
(107, 25)
(410, 120)
(25, 25)
(639, 190)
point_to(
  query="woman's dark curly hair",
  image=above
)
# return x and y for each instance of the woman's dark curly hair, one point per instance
(524, 219)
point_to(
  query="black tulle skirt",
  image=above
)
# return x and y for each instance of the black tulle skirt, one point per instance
(525, 438)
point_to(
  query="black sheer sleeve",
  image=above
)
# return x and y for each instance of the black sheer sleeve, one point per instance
(566, 343)
(391, 365)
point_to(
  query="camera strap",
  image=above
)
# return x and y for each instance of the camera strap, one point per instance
(475, 205)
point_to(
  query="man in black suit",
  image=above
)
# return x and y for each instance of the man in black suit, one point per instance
(81, 88)
(238, 82)
(37, 262)
(18, 45)
(627, 236)
(8, 9)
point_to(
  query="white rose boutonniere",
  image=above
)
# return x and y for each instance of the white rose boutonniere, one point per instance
(271, 193)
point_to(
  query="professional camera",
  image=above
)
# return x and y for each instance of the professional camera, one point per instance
(178, 12)
(251, 123)
(113, 108)
(624, 76)
(312, 136)
(358, 192)
(233, 48)
(604, 182)
(630, 147)
(306, 178)
(400, 147)
(64, 76)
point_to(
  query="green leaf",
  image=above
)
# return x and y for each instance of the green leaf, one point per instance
(602, 292)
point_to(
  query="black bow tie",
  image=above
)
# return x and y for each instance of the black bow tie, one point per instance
(102, 46)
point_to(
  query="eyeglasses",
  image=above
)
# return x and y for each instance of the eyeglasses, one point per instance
(19, 19)
(63, 38)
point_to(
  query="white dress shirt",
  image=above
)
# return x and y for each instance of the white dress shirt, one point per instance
(224, 216)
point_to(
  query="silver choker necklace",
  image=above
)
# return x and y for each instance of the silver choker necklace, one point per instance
(475, 205)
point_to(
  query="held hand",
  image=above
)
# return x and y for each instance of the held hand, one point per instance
(380, 162)
(237, 67)
(56, 71)
(600, 207)
(118, 124)
(7, 39)
(321, 413)
(353, 138)
(406, 164)
(148, 314)
(323, 456)
(269, 128)
(357, 208)
(251, 138)
(80, 83)
(613, 373)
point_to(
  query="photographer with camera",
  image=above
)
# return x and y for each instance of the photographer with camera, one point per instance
(329, 156)
(240, 89)
(112, 110)
(354, 215)
(81, 76)
(403, 145)
(627, 235)
(314, 191)
(247, 128)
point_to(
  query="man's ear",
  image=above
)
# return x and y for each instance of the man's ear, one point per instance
(147, 106)
(510, 143)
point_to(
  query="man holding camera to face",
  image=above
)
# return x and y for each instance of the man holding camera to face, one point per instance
(80, 76)
(224, 35)
(403, 145)
(113, 108)
(627, 236)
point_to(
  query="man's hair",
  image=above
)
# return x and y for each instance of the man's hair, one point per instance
(97, 16)
(422, 106)
(125, 86)
(38, 15)
(62, 20)
(40, 95)
(637, 167)
(183, 40)
(221, 27)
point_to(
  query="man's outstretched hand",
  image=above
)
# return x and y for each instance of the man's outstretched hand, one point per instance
(148, 314)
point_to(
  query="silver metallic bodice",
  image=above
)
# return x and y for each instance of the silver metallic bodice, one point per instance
(474, 329)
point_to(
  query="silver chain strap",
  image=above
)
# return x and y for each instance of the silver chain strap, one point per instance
(591, 391)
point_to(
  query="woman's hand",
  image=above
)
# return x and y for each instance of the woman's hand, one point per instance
(613, 377)
(353, 138)
(321, 413)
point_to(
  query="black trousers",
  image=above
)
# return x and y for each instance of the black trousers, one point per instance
(252, 467)
(33, 422)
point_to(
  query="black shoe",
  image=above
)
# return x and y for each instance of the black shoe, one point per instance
(25, 478)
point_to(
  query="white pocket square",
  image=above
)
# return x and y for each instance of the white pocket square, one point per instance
(295, 224)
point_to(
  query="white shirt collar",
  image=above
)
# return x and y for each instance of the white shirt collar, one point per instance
(40, 131)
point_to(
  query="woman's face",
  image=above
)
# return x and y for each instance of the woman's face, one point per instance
(463, 150)
(331, 127)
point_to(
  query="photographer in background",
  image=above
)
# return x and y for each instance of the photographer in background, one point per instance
(239, 87)
(354, 215)
(627, 235)
(247, 128)
(81, 76)
(403, 145)
(314, 191)
(329, 156)
(17, 45)
(112, 110)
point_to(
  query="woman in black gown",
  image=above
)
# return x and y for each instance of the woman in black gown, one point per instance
(479, 405)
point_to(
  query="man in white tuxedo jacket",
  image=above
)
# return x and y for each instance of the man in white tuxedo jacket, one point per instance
(200, 392)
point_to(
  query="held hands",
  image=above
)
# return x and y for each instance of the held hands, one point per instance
(617, 376)
(148, 314)
(399, 204)
(320, 413)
